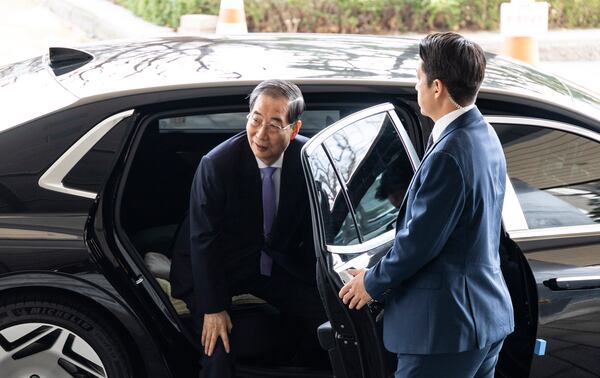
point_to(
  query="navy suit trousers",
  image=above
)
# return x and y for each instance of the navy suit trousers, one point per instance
(478, 363)
(298, 303)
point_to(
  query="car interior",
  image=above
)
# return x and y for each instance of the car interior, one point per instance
(154, 202)
(161, 174)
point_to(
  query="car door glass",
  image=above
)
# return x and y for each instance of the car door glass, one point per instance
(376, 170)
(555, 174)
(337, 219)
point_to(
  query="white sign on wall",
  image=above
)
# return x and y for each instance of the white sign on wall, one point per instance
(522, 18)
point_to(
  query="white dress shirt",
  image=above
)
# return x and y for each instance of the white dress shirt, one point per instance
(447, 119)
(276, 175)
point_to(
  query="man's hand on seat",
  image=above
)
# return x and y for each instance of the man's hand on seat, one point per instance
(216, 325)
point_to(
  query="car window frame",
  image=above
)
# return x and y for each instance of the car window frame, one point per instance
(52, 178)
(512, 214)
(318, 141)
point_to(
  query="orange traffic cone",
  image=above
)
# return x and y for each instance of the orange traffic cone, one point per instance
(232, 19)
(524, 48)
(520, 23)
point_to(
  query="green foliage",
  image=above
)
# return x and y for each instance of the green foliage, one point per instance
(168, 12)
(366, 16)
(574, 13)
(390, 16)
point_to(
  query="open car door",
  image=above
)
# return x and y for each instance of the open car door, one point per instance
(357, 171)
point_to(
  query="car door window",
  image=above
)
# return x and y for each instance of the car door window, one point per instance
(361, 167)
(555, 174)
(338, 221)
(375, 169)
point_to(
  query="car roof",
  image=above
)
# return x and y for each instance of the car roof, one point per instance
(184, 61)
(128, 66)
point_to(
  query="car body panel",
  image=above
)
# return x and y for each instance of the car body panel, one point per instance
(29, 89)
(568, 319)
(43, 241)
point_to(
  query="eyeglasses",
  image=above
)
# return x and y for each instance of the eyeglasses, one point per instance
(256, 121)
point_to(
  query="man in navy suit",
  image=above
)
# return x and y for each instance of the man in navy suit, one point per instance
(250, 227)
(447, 307)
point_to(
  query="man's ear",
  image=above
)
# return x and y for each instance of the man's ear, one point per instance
(296, 129)
(438, 88)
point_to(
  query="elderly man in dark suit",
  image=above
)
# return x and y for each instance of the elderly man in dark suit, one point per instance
(250, 225)
(448, 310)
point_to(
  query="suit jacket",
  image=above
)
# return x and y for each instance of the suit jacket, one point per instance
(445, 291)
(226, 226)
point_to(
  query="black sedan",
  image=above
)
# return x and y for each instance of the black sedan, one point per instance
(98, 147)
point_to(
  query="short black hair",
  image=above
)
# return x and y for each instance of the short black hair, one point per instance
(456, 61)
(281, 88)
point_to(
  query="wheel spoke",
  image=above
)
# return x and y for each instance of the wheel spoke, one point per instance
(9, 346)
(76, 371)
(40, 345)
(48, 351)
(69, 352)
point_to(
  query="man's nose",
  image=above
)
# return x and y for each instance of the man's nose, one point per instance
(263, 131)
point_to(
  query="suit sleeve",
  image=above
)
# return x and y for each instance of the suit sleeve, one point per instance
(207, 205)
(435, 210)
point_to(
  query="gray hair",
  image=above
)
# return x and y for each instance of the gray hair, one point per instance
(281, 88)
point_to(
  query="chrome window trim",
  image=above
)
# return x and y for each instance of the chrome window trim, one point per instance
(577, 278)
(405, 140)
(512, 212)
(527, 234)
(555, 232)
(7, 233)
(361, 261)
(53, 177)
(364, 246)
(321, 136)
(539, 122)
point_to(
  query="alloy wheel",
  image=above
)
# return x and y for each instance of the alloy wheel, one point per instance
(42, 350)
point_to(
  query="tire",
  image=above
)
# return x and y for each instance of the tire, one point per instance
(52, 336)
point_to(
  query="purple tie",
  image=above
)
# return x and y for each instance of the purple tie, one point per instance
(269, 210)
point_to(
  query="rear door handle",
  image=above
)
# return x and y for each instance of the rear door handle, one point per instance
(573, 283)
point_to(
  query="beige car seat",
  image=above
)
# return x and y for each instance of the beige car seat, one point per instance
(160, 266)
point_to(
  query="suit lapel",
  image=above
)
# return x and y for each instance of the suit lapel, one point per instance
(288, 188)
(464, 120)
(250, 184)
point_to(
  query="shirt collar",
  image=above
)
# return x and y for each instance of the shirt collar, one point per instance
(277, 164)
(446, 120)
